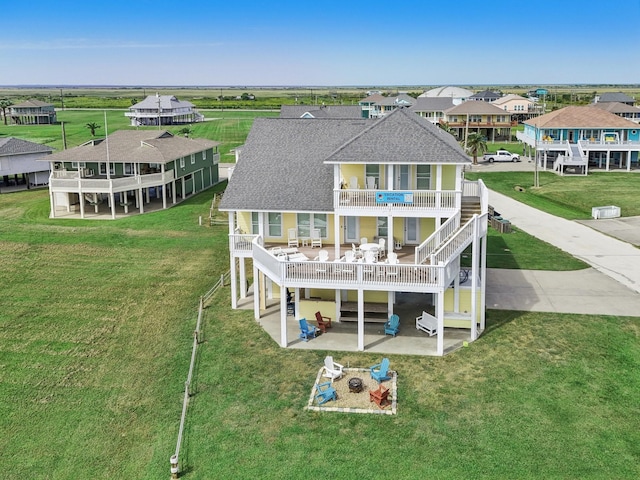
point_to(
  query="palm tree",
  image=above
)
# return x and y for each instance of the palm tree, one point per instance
(93, 127)
(4, 103)
(476, 145)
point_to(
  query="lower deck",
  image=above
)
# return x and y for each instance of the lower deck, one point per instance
(343, 335)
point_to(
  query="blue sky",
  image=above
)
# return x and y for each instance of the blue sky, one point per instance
(323, 42)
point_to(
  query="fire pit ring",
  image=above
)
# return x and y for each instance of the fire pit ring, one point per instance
(356, 385)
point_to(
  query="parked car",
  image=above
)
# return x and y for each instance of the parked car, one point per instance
(501, 156)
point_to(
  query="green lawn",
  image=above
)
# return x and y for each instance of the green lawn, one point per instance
(96, 322)
(228, 127)
(568, 197)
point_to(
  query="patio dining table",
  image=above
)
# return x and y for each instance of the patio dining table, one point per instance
(373, 247)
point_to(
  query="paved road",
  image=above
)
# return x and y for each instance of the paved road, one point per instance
(612, 286)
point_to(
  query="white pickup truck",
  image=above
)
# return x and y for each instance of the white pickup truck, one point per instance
(501, 156)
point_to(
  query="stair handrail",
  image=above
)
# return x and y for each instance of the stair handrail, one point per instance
(426, 248)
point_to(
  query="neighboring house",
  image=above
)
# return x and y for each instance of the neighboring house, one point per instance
(456, 94)
(32, 112)
(614, 97)
(520, 108)
(386, 105)
(141, 169)
(368, 104)
(295, 176)
(432, 108)
(479, 117)
(320, 111)
(19, 167)
(485, 96)
(571, 139)
(163, 110)
(621, 109)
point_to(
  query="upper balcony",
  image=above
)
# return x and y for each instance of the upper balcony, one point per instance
(354, 202)
(85, 181)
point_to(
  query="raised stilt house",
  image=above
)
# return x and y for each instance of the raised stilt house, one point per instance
(303, 195)
(129, 172)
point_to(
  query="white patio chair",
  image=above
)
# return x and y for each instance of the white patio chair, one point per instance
(357, 253)
(353, 183)
(364, 240)
(331, 369)
(316, 240)
(392, 259)
(371, 183)
(349, 256)
(292, 240)
(382, 242)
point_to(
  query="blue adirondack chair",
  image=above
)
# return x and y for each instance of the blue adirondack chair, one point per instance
(325, 392)
(307, 331)
(380, 371)
(392, 327)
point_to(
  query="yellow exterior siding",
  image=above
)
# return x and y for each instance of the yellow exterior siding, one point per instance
(449, 177)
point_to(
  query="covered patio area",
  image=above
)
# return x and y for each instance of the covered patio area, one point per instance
(343, 336)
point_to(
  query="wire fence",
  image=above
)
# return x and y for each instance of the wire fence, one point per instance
(204, 299)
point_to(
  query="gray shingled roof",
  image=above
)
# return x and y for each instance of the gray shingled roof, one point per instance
(281, 167)
(432, 104)
(615, 97)
(321, 111)
(167, 102)
(32, 103)
(616, 107)
(474, 107)
(140, 146)
(485, 94)
(401, 137)
(285, 164)
(17, 146)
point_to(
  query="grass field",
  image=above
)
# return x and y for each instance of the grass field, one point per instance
(568, 197)
(228, 127)
(96, 322)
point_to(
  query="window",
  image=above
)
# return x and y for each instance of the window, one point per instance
(182, 163)
(308, 221)
(255, 223)
(204, 154)
(102, 168)
(423, 177)
(275, 224)
(193, 158)
(373, 171)
(592, 134)
(383, 230)
(129, 169)
(475, 118)
(77, 165)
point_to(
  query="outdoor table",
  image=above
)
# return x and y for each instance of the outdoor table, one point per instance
(374, 247)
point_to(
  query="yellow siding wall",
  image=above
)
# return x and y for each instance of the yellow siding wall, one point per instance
(369, 296)
(348, 171)
(448, 177)
(464, 302)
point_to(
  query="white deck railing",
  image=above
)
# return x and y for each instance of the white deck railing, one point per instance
(420, 199)
(347, 274)
(72, 181)
(240, 243)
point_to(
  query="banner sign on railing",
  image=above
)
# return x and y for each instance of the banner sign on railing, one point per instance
(394, 197)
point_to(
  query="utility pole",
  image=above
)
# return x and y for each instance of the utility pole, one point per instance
(61, 99)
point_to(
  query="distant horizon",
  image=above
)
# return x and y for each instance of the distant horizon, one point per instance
(365, 86)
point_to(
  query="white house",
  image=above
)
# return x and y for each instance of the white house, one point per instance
(19, 167)
(163, 110)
